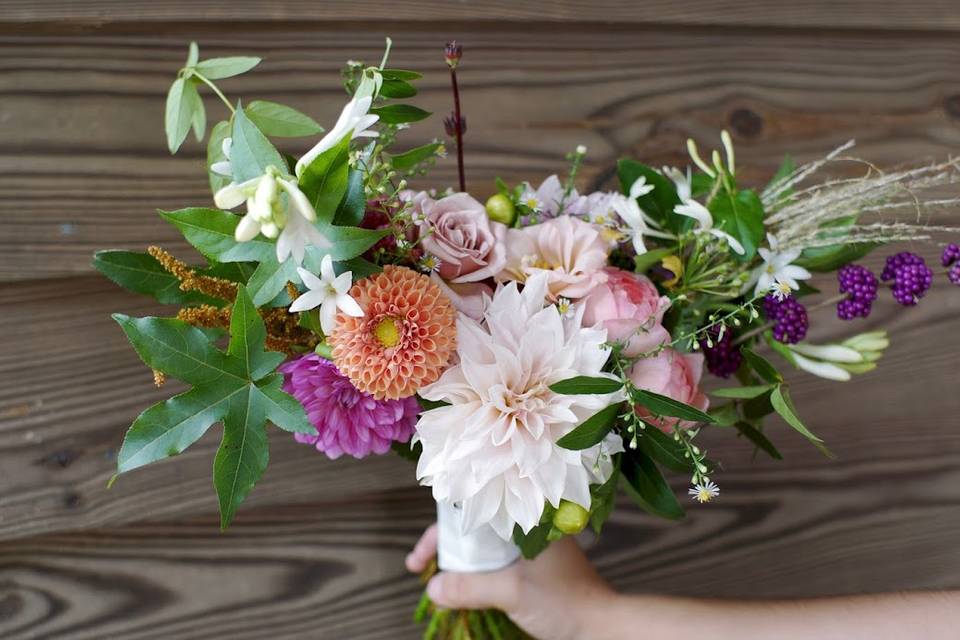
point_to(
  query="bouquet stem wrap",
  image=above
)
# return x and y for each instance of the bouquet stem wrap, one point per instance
(479, 550)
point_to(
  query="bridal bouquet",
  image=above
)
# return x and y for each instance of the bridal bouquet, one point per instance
(533, 352)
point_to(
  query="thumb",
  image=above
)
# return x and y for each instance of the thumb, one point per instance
(493, 590)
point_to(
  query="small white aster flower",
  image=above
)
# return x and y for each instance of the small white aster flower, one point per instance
(329, 292)
(777, 269)
(704, 492)
(531, 200)
(566, 308)
(429, 263)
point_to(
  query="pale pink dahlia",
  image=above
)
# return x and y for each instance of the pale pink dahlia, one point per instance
(347, 420)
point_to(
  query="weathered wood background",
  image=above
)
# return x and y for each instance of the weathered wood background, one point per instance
(317, 551)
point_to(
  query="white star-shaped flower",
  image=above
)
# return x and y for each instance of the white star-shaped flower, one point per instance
(693, 209)
(777, 270)
(329, 292)
(354, 120)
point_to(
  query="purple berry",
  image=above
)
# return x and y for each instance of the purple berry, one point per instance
(954, 273)
(950, 255)
(911, 277)
(789, 317)
(860, 285)
(723, 358)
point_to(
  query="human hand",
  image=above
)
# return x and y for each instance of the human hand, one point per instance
(556, 596)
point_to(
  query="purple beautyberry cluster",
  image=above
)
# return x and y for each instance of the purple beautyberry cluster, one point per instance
(860, 285)
(911, 277)
(951, 258)
(723, 358)
(789, 317)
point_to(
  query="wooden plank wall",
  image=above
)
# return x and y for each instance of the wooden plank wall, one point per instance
(317, 551)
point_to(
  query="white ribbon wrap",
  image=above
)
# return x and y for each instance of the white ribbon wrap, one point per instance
(479, 550)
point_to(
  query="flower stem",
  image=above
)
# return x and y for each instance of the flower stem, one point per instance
(458, 129)
(216, 91)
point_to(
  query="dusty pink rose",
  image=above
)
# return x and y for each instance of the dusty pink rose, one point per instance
(569, 250)
(672, 374)
(458, 232)
(629, 307)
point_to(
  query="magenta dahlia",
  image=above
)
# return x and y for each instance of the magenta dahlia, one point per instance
(347, 420)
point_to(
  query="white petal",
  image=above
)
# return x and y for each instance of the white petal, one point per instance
(733, 242)
(312, 281)
(234, 194)
(326, 269)
(829, 352)
(315, 238)
(298, 199)
(821, 369)
(308, 300)
(328, 315)
(349, 306)
(695, 210)
(342, 283)
(795, 272)
(247, 229)
(222, 168)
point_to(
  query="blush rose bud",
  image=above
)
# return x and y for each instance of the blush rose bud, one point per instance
(570, 517)
(500, 209)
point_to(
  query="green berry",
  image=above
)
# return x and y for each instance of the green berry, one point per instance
(501, 209)
(570, 517)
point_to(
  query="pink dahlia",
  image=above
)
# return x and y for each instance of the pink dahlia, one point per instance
(347, 420)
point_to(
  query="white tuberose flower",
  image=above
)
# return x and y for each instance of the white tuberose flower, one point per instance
(494, 449)
(355, 118)
(329, 292)
(777, 269)
(693, 209)
(639, 225)
(223, 167)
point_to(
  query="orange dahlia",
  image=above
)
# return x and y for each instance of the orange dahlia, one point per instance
(404, 339)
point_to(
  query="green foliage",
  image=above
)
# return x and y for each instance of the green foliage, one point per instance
(219, 133)
(275, 119)
(592, 430)
(742, 217)
(586, 385)
(757, 437)
(831, 258)
(751, 391)
(645, 484)
(783, 405)
(228, 67)
(251, 152)
(538, 538)
(787, 167)
(643, 262)
(238, 387)
(400, 113)
(141, 273)
(324, 181)
(354, 203)
(603, 497)
(181, 100)
(663, 449)
(761, 366)
(410, 159)
(397, 89)
(660, 202)
(661, 405)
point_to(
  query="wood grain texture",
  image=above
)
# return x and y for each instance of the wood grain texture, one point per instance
(83, 163)
(316, 552)
(934, 15)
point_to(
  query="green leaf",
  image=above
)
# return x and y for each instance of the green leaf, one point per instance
(741, 217)
(660, 202)
(646, 486)
(270, 278)
(586, 385)
(427, 405)
(592, 430)
(219, 133)
(666, 406)
(238, 387)
(644, 261)
(538, 538)
(407, 452)
(400, 74)
(324, 180)
(603, 497)
(177, 349)
(354, 203)
(831, 258)
(742, 392)
(664, 449)
(413, 157)
(762, 366)
(219, 68)
(397, 89)
(275, 119)
(780, 399)
(243, 454)
(250, 152)
(169, 427)
(199, 118)
(179, 114)
(193, 55)
(348, 243)
(757, 437)
(211, 232)
(756, 408)
(725, 415)
(141, 273)
(400, 113)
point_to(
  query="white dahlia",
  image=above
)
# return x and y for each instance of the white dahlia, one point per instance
(494, 450)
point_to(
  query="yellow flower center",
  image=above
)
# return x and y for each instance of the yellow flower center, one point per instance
(387, 332)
